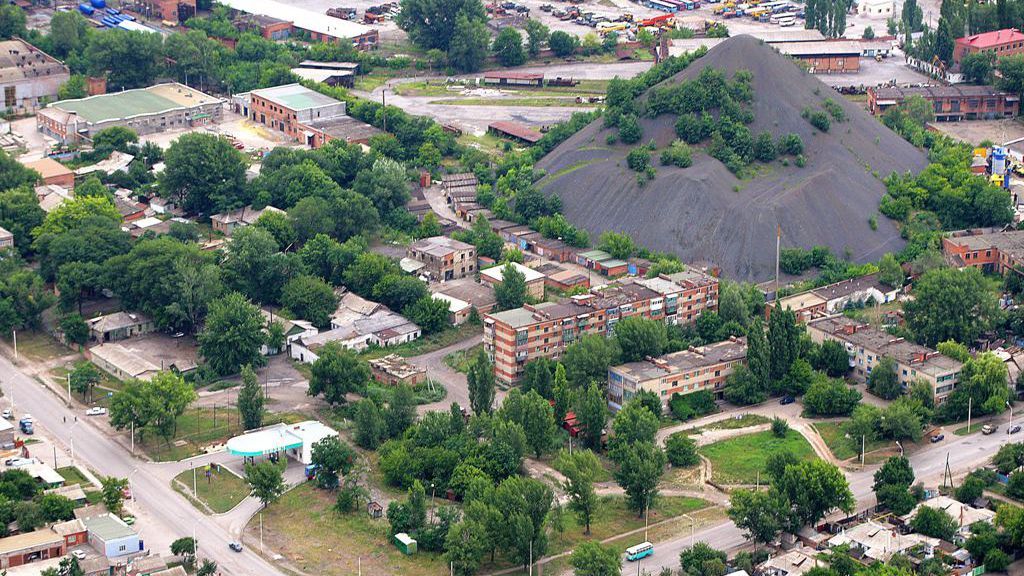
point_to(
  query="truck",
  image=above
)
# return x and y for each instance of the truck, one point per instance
(26, 427)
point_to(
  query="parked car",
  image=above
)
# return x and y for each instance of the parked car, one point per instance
(27, 418)
(938, 438)
(8, 414)
(19, 462)
(26, 427)
(989, 428)
(78, 554)
(1015, 428)
(236, 546)
(787, 400)
(96, 411)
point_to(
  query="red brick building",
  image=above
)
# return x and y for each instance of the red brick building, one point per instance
(989, 249)
(1004, 42)
(950, 103)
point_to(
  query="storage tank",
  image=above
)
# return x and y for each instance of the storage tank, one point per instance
(999, 160)
(98, 3)
(86, 9)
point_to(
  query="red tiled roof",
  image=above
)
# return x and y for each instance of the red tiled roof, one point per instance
(517, 130)
(994, 38)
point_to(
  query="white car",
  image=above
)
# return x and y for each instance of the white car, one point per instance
(78, 554)
(7, 414)
(27, 418)
(19, 462)
(96, 411)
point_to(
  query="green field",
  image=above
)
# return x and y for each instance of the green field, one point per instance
(738, 460)
(72, 475)
(221, 492)
(842, 447)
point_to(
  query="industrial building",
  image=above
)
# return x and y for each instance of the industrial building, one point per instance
(990, 249)
(111, 536)
(119, 326)
(305, 115)
(835, 57)
(321, 27)
(515, 131)
(145, 110)
(443, 258)
(330, 73)
(394, 370)
(683, 372)
(1005, 42)
(294, 440)
(22, 549)
(28, 76)
(867, 346)
(833, 298)
(950, 103)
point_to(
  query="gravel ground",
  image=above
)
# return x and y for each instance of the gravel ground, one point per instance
(707, 216)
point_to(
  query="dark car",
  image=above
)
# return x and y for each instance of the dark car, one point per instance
(1015, 428)
(787, 400)
(938, 438)
(236, 546)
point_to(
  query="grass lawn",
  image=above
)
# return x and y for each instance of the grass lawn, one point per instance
(222, 492)
(962, 431)
(460, 359)
(745, 421)
(38, 345)
(197, 428)
(613, 517)
(73, 475)
(368, 82)
(304, 527)
(738, 460)
(428, 343)
(842, 447)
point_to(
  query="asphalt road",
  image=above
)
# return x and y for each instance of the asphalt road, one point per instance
(164, 515)
(965, 453)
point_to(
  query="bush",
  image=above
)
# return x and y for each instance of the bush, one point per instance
(677, 154)
(629, 129)
(681, 450)
(639, 159)
(800, 161)
(834, 109)
(764, 147)
(692, 128)
(790, 144)
(779, 427)
(817, 118)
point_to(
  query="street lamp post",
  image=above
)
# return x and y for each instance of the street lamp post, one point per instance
(693, 527)
(131, 487)
(431, 502)
(1010, 423)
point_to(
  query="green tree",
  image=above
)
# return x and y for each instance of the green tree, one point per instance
(950, 304)
(538, 376)
(435, 24)
(695, 559)
(233, 335)
(634, 423)
(480, 379)
(588, 360)
(892, 485)
(761, 515)
(742, 387)
(1011, 74)
(783, 341)
(890, 272)
(465, 546)
(337, 372)
(681, 450)
(84, 379)
(977, 67)
(75, 329)
(266, 481)
(371, 428)
(639, 337)
(830, 397)
(511, 291)
(12, 21)
(468, 47)
(639, 468)
(429, 313)
(534, 414)
(508, 47)
(562, 43)
(759, 355)
(185, 547)
(831, 358)
(595, 559)
(331, 457)
(591, 414)
(311, 298)
(619, 245)
(74, 88)
(204, 173)
(536, 35)
(580, 468)
(401, 411)
(883, 381)
(814, 488)
(113, 493)
(934, 522)
(250, 400)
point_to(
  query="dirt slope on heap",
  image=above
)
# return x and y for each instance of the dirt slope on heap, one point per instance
(697, 213)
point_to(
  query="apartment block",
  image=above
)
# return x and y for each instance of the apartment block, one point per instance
(444, 258)
(1005, 42)
(990, 249)
(515, 337)
(867, 345)
(683, 372)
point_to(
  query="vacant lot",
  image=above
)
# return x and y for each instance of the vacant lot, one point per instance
(201, 427)
(739, 460)
(842, 447)
(220, 492)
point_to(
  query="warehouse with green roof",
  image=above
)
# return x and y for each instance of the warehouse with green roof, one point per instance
(145, 110)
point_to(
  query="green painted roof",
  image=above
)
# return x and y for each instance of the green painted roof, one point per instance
(117, 105)
(295, 97)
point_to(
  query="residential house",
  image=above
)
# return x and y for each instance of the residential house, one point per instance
(121, 362)
(112, 537)
(534, 279)
(963, 514)
(51, 196)
(119, 326)
(394, 370)
(834, 298)
(867, 345)
(147, 565)
(358, 324)
(463, 295)
(697, 369)
(878, 542)
(72, 492)
(53, 172)
(792, 563)
(73, 531)
(444, 258)
(228, 222)
(684, 295)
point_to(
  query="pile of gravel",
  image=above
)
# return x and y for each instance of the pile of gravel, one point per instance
(706, 215)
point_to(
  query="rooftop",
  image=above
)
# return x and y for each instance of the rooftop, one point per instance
(543, 312)
(467, 290)
(510, 75)
(882, 343)
(117, 320)
(346, 128)
(131, 103)
(792, 563)
(820, 48)
(295, 97)
(993, 38)
(244, 215)
(123, 359)
(963, 514)
(73, 526)
(439, 246)
(109, 527)
(496, 273)
(455, 305)
(879, 541)
(48, 167)
(846, 288)
(35, 539)
(306, 19)
(517, 130)
(279, 437)
(21, 60)
(938, 91)
(1010, 242)
(619, 294)
(685, 360)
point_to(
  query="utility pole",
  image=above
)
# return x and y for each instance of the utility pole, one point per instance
(778, 252)
(862, 445)
(384, 106)
(969, 399)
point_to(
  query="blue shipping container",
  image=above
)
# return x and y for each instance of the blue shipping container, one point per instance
(86, 9)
